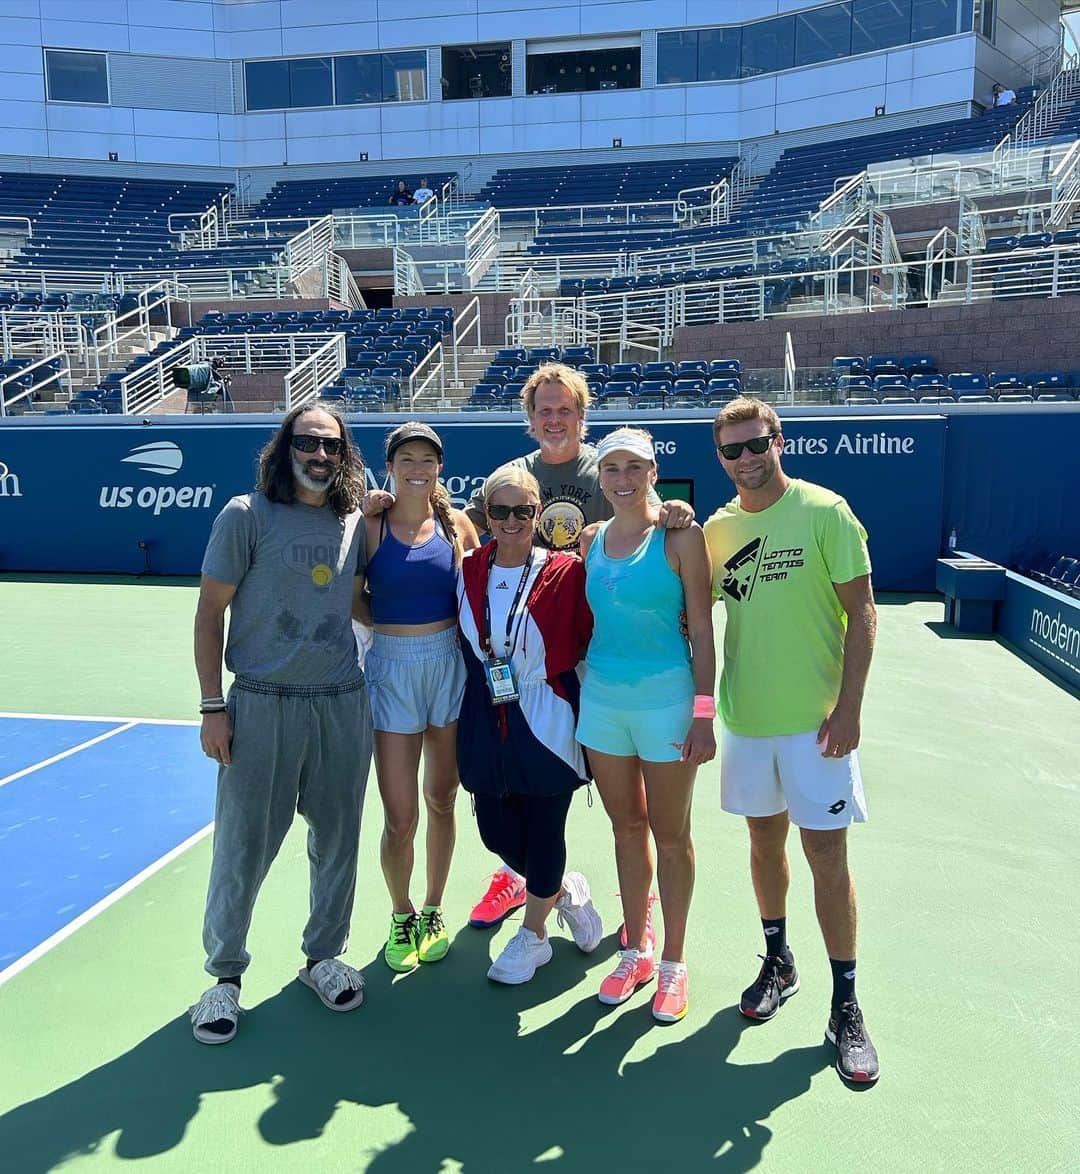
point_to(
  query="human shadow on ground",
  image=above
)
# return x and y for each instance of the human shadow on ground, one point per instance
(446, 1047)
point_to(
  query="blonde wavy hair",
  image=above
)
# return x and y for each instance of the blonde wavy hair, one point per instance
(511, 475)
(570, 378)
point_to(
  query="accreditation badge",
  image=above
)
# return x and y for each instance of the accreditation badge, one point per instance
(502, 687)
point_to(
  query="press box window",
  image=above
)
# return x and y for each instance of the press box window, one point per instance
(74, 76)
(476, 71)
(575, 73)
(283, 85)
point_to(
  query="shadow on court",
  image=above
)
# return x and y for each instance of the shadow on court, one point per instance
(444, 1047)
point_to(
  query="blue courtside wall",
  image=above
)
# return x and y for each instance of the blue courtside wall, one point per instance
(80, 498)
(1043, 624)
(1012, 489)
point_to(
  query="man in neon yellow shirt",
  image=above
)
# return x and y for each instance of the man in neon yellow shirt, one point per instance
(791, 565)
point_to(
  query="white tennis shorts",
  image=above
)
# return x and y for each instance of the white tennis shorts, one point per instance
(764, 776)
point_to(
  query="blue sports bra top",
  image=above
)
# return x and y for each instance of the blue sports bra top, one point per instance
(412, 584)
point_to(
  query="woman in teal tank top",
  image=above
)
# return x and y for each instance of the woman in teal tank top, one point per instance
(647, 707)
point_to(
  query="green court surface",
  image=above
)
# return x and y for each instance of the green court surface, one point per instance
(970, 940)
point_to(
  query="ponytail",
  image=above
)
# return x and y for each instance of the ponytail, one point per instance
(440, 501)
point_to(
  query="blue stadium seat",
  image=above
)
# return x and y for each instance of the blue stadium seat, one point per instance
(967, 381)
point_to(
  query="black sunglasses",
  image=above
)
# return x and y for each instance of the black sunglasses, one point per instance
(331, 445)
(758, 445)
(501, 512)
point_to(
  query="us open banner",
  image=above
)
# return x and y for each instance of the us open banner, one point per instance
(105, 496)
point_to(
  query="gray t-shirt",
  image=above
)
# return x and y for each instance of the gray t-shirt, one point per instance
(293, 567)
(570, 498)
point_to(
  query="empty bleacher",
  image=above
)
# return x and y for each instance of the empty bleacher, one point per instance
(95, 223)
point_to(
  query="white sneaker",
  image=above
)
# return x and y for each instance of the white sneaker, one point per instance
(576, 910)
(520, 958)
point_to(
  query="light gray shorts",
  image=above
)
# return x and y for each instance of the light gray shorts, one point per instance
(415, 681)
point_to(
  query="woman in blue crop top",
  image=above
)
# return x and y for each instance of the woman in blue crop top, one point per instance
(646, 706)
(416, 678)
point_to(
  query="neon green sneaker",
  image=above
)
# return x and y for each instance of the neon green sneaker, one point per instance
(434, 940)
(400, 950)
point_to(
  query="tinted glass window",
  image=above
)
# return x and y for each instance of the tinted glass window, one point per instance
(718, 54)
(267, 84)
(880, 24)
(933, 18)
(768, 45)
(311, 82)
(476, 71)
(76, 77)
(572, 73)
(358, 79)
(677, 57)
(405, 76)
(823, 34)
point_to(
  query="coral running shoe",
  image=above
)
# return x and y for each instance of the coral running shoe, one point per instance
(634, 969)
(670, 1003)
(504, 895)
(650, 932)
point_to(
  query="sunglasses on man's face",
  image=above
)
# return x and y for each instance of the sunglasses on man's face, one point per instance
(758, 445)
(331, 445)
(499, 513)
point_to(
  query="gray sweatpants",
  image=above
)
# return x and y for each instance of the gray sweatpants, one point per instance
(294, 748)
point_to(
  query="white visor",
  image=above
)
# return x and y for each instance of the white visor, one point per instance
(625, 440)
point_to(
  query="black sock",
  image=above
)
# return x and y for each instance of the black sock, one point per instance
(775, 930)
(235, 980)
(843, 981)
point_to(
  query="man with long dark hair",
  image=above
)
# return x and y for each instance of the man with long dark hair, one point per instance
(294, 733)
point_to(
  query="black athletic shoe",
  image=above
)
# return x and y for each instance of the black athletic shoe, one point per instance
(774, 983)
(856, 1056)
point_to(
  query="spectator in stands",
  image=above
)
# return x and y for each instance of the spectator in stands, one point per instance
(790, 563)
(401, 195)
(423, 193)
(295, 731)
(647, 708)
(1002, 96)
(416, 678)
(555, 399)
(524, 626)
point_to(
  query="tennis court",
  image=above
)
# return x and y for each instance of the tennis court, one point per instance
(967, 877)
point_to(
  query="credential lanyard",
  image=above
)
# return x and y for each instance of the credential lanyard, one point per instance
(511, 644)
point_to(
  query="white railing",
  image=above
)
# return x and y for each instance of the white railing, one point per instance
(1064, 189)
(642, 336)
(429, 377)
(309, 247)
(304, 381)
(377, 231)
(789, 365)
(341, 285)
(407, 281)
(741, 179)
(16, 226)
(204, 234)
(61, 375)
(534, 219)
(713, 208)
(481, 247)
(466, 322)
(1038, 121)
(131, 326)
(41, 333)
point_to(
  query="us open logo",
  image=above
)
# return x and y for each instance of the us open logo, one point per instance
(9, 482)
(162, 458)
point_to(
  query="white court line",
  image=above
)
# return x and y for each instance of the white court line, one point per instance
(20, 964)
(95, 717)
(29, 770)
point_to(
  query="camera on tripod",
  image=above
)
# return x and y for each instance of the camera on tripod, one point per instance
(205, 384)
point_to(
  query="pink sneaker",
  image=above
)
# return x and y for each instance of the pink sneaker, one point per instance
(650, 932)
(634, 970)
(504, 895)
(670, 1003)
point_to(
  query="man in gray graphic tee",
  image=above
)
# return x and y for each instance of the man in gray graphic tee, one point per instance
(287, 561)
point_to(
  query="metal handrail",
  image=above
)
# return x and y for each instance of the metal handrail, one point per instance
(20, 220)
(108, 336)
(64, 372)
(304, 381)
(465, 322)
(1065, 189)
(437, 370)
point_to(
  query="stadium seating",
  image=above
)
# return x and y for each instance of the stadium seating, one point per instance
(318, 197)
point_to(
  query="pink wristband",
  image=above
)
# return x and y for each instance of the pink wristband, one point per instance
(704, 706)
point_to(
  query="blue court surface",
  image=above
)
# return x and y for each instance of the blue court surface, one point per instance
(86, 806)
